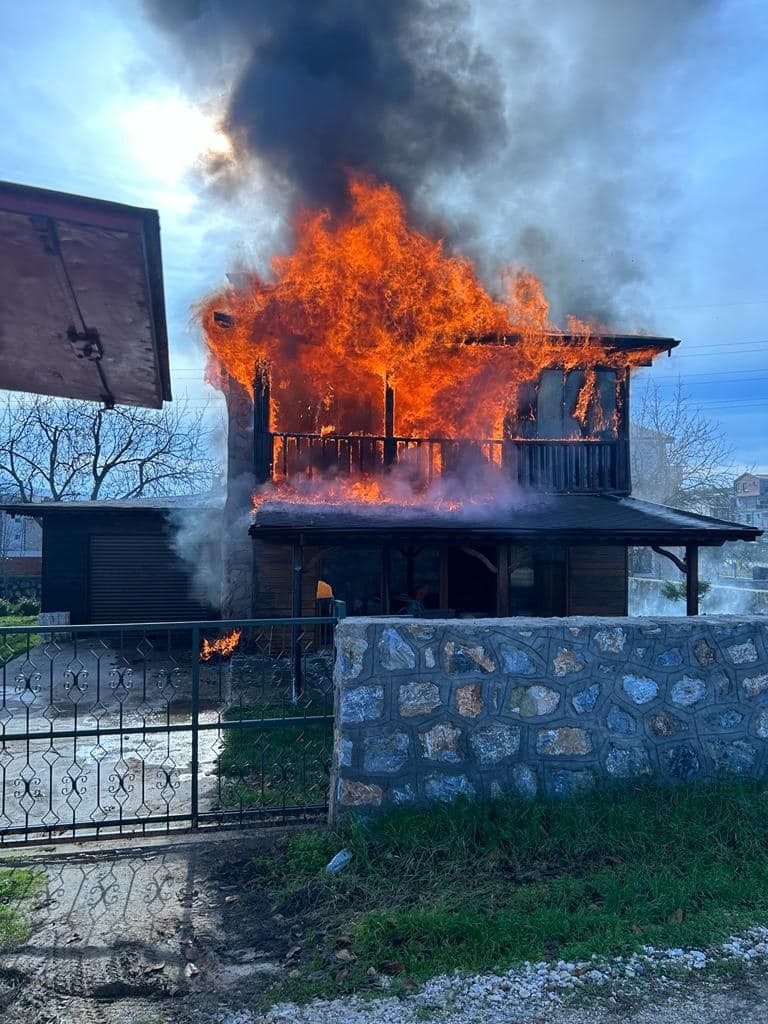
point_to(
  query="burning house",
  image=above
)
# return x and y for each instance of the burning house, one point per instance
(401, 440)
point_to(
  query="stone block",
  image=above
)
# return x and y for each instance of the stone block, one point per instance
(724, 719)
(429, 657)
(494, 743)
(687, 691)
(395, 653)
(742, 654)
(385, 753)
(533, 701)
(566, 741)
(516, 661)
(441, 743)
(565, 783)
(666, 724)
(359, 794)
(627, 762)
(753, 686)
(345, 753)
(619, 721)
(565, 662)
(704, 653)
(351, 648)
(417, 699)
(761, 725)
(448, 787)
(461, 658)
(734, 756)
(610, 641)
(469, 700)
(639, 689)
(525, 781)
(681, 762)
(670, 659)
(585, 700)
(362, 704)
(403, 794)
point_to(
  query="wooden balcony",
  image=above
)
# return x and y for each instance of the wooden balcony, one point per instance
(583, 466)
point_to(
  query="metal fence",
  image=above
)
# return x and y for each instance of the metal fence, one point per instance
(108, 730)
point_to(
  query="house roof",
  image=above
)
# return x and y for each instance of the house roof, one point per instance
(557, 518)
(82, 308)
(159, 503)
(636, 344)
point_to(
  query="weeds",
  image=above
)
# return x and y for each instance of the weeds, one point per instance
(475, 887)
(17, 886)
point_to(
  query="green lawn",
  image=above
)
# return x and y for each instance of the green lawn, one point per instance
(474, 887)
(17, 887)
(276, 766)
(13, 644)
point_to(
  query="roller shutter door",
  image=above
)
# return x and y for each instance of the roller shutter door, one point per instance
(138, 578)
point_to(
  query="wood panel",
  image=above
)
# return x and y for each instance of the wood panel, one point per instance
(597, 580)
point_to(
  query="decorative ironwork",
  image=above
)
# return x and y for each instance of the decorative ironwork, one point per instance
(108, 730)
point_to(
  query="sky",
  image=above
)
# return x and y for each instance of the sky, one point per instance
(97, 100)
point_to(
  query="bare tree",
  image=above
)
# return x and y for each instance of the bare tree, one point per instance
(65, 449)
(680, 457)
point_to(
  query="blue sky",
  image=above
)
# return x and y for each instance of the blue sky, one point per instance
(91, 102)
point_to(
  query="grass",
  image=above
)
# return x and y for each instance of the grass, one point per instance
(276, 766)
(475, 887)
(13, 644)
(17, 886)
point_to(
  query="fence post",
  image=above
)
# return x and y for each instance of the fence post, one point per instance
(195, 722)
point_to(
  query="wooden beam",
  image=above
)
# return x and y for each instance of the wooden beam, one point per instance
(679, 562)
(386, 579)
(390, 446)
(692, 580)
(262, 436)
(443, 576)
(502, 580)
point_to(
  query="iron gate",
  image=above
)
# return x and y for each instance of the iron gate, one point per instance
(115, 729)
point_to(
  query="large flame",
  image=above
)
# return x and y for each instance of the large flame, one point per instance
(363, 300)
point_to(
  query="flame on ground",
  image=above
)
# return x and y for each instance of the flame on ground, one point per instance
(364, 300)
(223, 645)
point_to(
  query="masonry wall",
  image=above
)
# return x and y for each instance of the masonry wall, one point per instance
(427, 710)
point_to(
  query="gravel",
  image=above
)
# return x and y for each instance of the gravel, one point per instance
(523, 993)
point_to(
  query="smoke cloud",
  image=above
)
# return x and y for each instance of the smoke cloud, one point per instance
(529, 132)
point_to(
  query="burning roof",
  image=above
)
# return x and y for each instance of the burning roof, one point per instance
(365, 300)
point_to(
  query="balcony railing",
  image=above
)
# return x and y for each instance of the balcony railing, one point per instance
(588, 466)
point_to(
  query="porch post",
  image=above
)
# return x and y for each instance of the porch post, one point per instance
(502, 580)
(691, 579)
(262, 436)
(386, 579)
(390, 448)
(296, 574)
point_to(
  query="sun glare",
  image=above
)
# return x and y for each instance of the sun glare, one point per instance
(169, 136)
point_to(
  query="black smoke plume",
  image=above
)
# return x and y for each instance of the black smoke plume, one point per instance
(392, 87)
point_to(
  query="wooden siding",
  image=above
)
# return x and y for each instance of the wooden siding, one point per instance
(597, 580)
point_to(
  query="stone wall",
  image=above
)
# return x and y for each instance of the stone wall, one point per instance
(427, 710)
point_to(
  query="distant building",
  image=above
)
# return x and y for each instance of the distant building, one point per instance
(750, 499)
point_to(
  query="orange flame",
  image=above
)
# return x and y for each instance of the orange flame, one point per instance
(223, 645)
(366, 299)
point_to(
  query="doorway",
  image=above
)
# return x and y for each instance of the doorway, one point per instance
(472, 579)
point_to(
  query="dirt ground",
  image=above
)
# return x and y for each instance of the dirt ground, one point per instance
(129, 932)
(167, 931)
